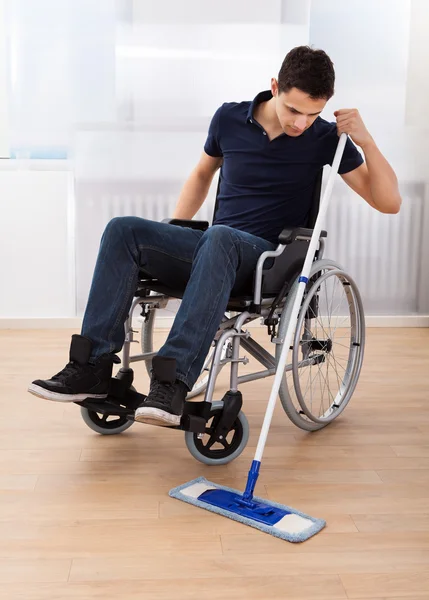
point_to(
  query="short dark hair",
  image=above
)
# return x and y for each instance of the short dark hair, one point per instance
(309, 70)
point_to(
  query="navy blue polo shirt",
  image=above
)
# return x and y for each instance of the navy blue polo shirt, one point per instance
(267, 185)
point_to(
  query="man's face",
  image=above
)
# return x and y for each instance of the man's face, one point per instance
(296, 111)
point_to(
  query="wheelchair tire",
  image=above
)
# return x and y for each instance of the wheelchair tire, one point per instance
(291, 394)
(104, 426)
(147, 346)
(236, 441)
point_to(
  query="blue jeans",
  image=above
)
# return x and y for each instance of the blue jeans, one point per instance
(212, 265)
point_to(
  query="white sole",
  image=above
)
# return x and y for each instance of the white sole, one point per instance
(156, 416)
(54, 396)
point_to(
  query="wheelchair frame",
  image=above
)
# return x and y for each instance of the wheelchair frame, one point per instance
(229, 328)
(267, 304)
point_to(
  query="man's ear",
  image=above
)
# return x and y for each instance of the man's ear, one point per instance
(274, 86)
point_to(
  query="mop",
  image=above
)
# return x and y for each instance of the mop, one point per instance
(276, 519)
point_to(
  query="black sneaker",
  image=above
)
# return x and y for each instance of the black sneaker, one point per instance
(163, 405)
(80, 379)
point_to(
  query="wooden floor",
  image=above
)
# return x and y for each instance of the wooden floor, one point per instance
(86, 517)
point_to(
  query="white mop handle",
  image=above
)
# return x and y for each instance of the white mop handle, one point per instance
(298, 298)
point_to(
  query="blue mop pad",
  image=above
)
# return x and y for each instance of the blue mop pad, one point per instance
(273, 518)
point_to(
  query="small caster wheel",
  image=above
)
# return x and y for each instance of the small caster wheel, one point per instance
(104, 423)
(210, 451)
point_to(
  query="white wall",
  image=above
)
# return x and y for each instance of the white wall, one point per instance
(36, 244)
(417, 78)
(381, 54)
(195, 11)
(4, 138)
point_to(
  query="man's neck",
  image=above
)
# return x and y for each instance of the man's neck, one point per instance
(266, 115)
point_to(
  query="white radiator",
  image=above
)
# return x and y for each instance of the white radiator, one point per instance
(385, 254)
(98, 202)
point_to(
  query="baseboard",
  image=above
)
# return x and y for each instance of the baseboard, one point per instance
(166, 322)
(397, 321)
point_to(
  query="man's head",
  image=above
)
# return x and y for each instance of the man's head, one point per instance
(305, 84)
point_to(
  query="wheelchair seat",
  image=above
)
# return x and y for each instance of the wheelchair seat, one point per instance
(278, 273)
(277, 276)
(147, 285)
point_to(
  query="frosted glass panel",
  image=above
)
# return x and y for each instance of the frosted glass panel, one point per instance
(4, 121)
(61, 71)
(381, 59)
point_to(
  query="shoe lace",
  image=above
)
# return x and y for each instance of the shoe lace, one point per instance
(162, 390)
(69, 370)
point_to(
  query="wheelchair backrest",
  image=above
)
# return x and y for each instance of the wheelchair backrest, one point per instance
(314, 210)
(286, 267)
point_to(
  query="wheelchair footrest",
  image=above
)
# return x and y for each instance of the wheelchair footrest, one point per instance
(121, 384)
(195, 416)
(133, 399)
(232, 403)
(106, 407)
(120, 402)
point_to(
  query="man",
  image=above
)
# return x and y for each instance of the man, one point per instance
(269, 151)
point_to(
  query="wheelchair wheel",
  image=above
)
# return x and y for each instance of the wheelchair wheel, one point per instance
(211, 452)
(147, 345)
(105, 424)
(327, 350)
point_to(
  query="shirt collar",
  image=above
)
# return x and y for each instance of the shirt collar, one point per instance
(261, 97)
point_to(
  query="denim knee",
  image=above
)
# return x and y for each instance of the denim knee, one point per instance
(117, 226)
(221, 235)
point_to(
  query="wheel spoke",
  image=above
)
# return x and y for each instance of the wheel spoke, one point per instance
(225, 443)
(343, 345)
(309, 377)
(338, 305)
(336, 372)
(323, 390)
(210, 443)
(311, 385)
(325, 385)
(329, 389)
(327, 305)
(337, 361)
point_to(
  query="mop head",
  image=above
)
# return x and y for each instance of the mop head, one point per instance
(276, 519)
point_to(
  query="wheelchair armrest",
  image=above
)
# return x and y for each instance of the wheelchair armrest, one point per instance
(200, 225)
(287, 236)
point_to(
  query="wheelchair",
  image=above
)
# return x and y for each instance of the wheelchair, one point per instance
(326, 353)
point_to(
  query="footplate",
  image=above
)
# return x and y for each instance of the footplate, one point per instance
(122, 400)
(232, 403)
(195, 416)
(107, 407)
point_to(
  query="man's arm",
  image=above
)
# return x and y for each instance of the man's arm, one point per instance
(375, 180)
(196, 187)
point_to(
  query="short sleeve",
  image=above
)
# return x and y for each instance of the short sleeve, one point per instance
(352, 158)
(212, 147)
